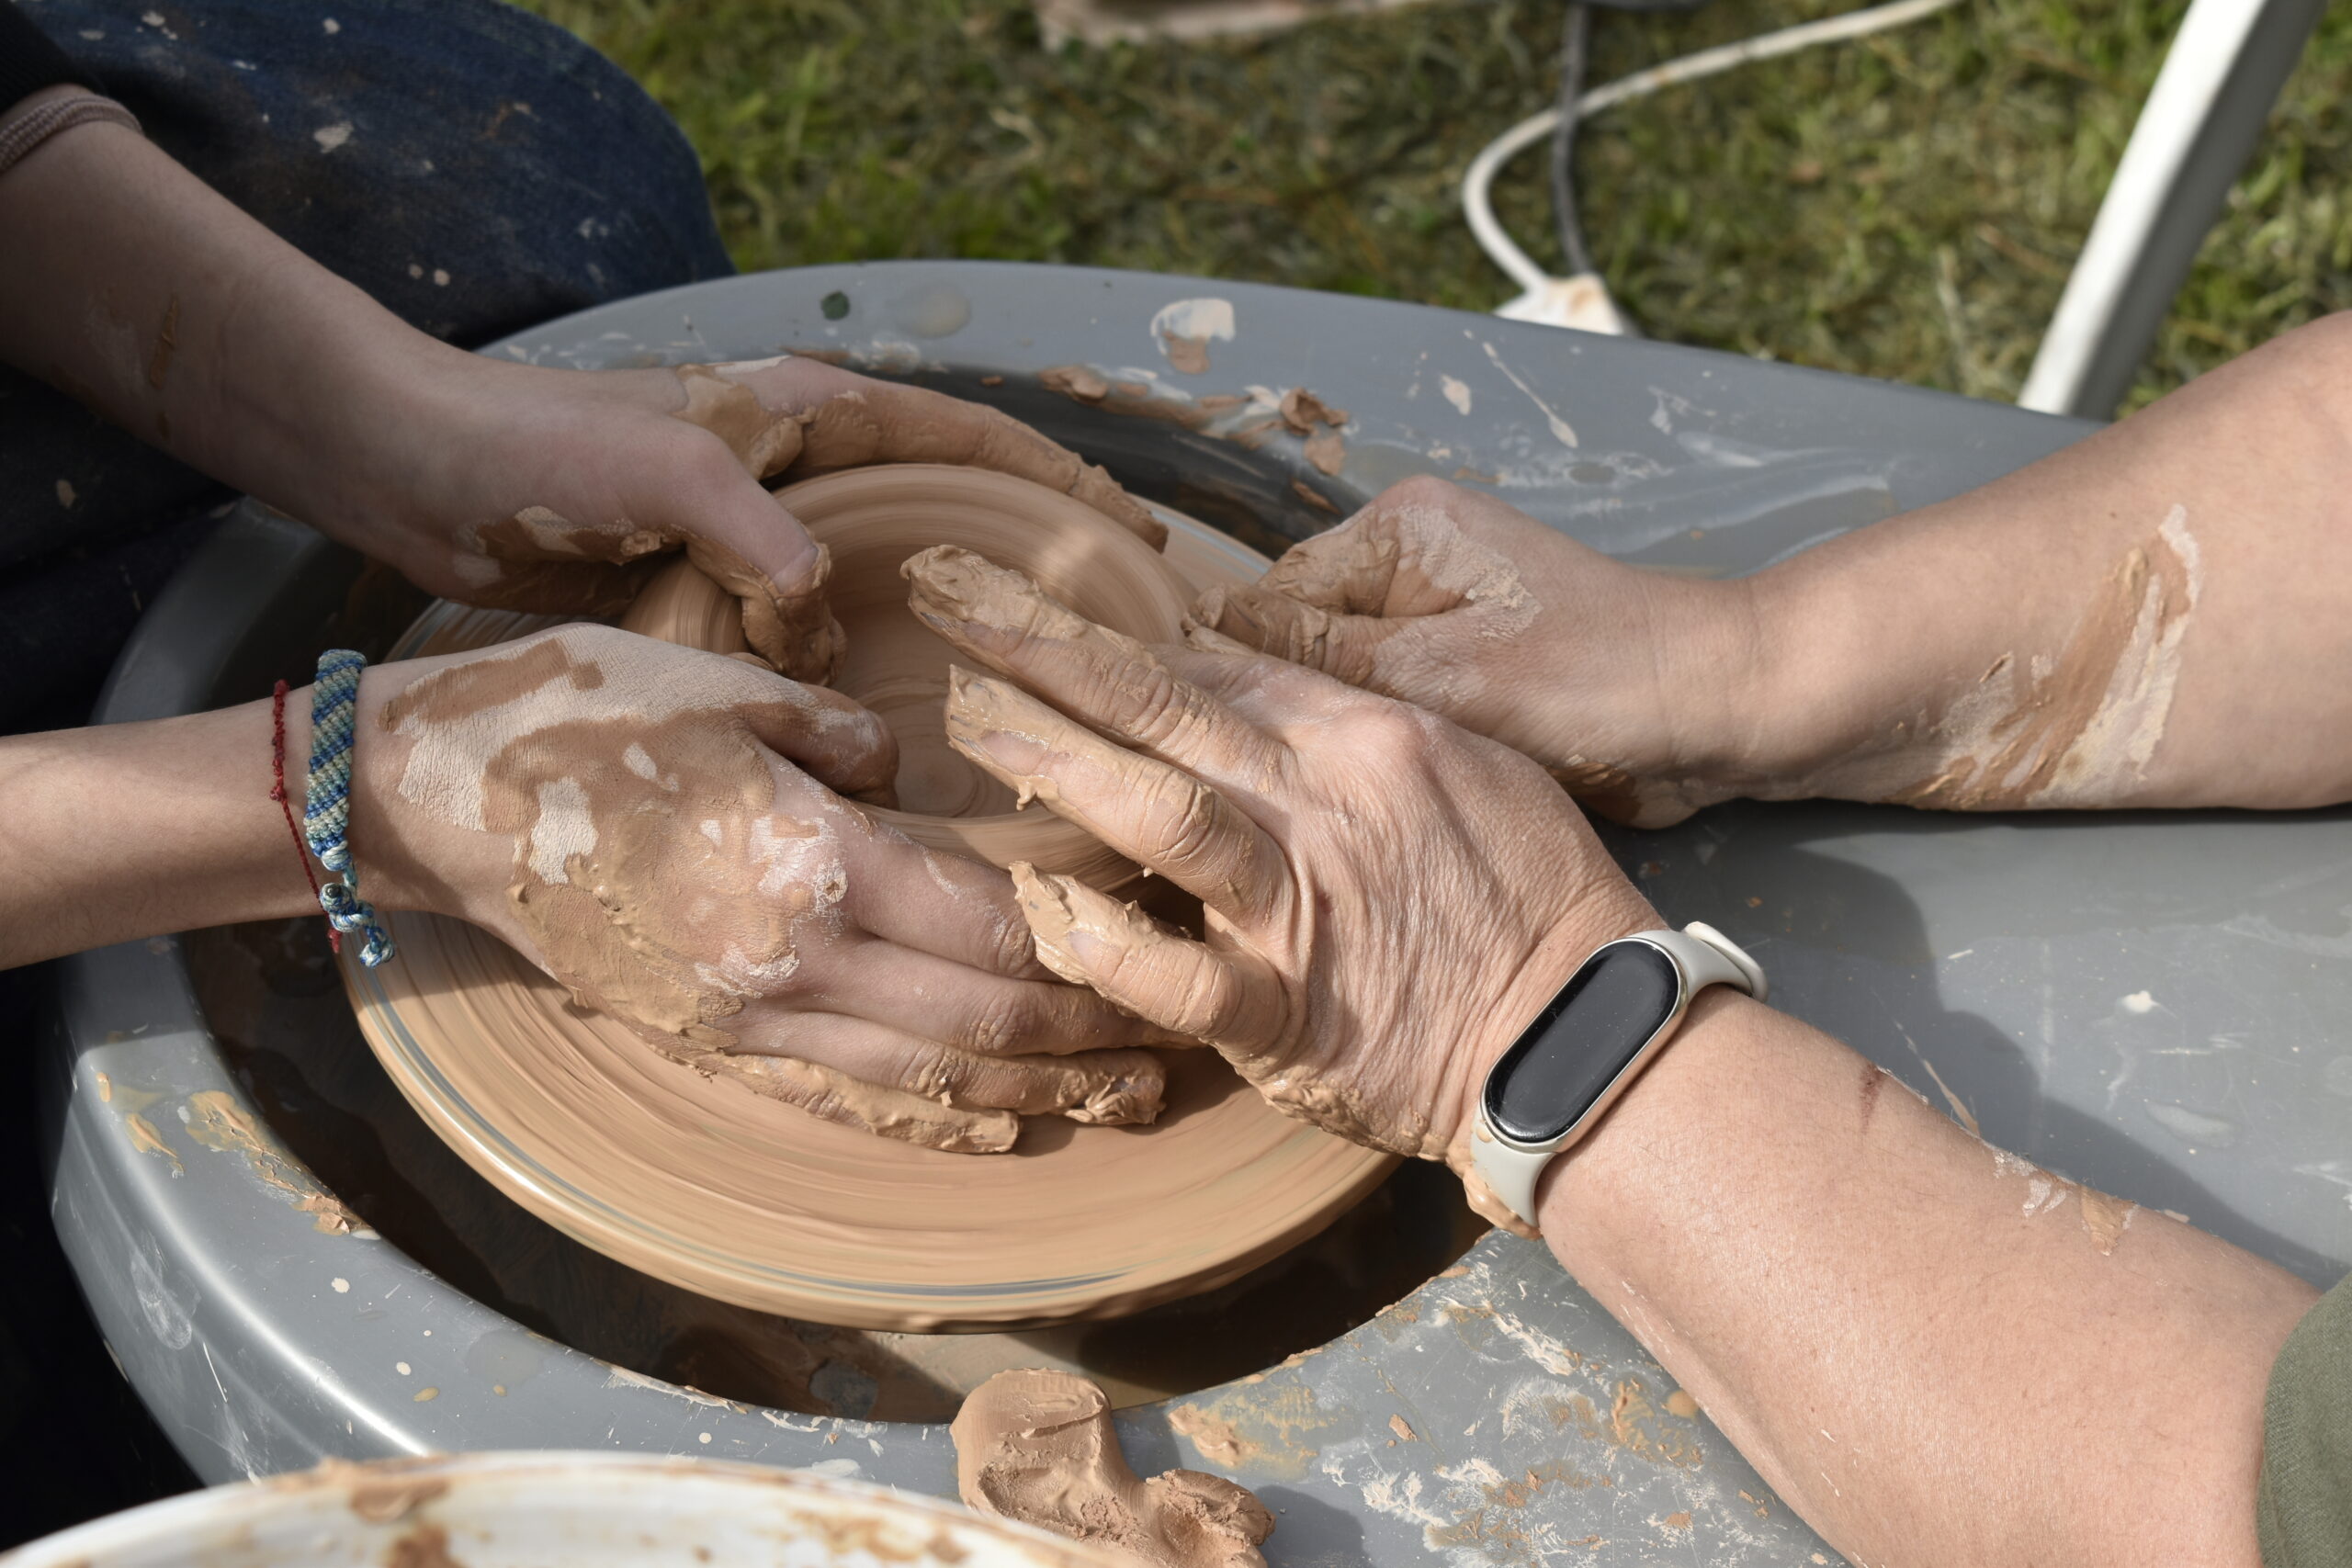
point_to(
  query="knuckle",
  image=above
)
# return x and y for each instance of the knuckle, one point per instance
(999, 1027)
(1155, 703)
(1419, 490)
(1178, 816)
(1006, 945)
(932, 1072)
(1388, 729)
(1207, 1004)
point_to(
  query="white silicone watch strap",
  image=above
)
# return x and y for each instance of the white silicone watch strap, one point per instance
(1706, 957)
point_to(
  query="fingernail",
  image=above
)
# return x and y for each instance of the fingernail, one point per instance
(1014, 755)
(1045, 905)
(972, 700)
(995, 717)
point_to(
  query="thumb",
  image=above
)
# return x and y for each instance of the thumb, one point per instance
(758, 551)
(1339, 644)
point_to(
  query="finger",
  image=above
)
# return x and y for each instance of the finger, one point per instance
(1110, 681)
(938, 903)
(1420, 547)
(1338, 644)
(1206, 639)
(882, 421)
(825, 734)
(1350, 568)
(833, 1096)
(738, 534)
(1087, 936)
(987, 1015)
(1160, 816)
(1103, 1088)
(786, 616)
(1288, 702)
(1266, 691)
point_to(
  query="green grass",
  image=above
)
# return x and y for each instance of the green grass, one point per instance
(1904, 206)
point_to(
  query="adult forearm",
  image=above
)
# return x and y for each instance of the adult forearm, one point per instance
(128, 830)
(1935, 1352)
(132, 286)
(2155, 617)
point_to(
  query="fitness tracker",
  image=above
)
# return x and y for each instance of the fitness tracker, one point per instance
(1590, 1042)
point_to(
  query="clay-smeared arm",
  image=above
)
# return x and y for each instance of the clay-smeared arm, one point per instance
(131, 285)
(2155, 617)
(1940, 1356)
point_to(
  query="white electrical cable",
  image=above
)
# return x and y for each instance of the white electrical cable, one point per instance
(1476, 183)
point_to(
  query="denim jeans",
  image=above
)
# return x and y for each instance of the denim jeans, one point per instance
(486, 170)
(472, 167)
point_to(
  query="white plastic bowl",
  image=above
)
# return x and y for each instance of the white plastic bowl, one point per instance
(552, 1510)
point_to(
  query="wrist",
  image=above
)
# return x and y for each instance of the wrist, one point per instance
(337, 422)
(1794, 694)
(1718, 1020)
(400, 859)
(1691, 719)
(1551, 960)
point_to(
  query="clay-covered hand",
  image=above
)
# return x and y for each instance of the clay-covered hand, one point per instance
(1627, 684)
(653, 825)
(528, 488)
(1389, 898)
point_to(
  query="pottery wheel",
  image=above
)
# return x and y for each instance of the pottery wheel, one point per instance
(588, 1127)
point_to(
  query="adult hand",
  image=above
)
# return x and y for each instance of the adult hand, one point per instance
(1389, 898)
(652, 826)
(517, 486)
(1631, 686)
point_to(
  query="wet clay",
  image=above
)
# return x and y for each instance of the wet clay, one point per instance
(1353, 602)
(2078, 729)
(1301, 412)
(872, 520)
(683, 604)
(693, 1172)
(2105, 1218)
(1038, 1447)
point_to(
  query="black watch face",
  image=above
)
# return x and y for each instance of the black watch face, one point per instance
(1574, 1050)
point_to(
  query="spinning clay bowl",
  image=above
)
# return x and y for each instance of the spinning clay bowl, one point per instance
(710, 1187)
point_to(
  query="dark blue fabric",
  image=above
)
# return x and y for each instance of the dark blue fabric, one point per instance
(29, 62)
(483, 144)
(472, 167)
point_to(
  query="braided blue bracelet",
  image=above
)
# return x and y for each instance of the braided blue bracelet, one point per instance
(326, 810)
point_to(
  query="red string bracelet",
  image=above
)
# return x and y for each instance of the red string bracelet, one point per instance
(285, 806)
